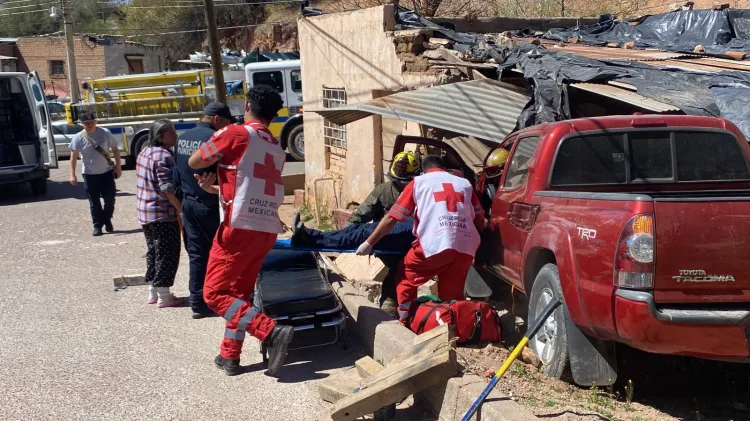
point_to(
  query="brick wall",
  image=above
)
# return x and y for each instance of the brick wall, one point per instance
(35, 54)
(116, 64)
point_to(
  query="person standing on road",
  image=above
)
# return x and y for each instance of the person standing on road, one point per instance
(158, 210)
(200, 209)
(448, 218)
(93, 144)
(250, 162)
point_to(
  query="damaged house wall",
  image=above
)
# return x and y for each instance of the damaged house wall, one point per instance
(354, 51)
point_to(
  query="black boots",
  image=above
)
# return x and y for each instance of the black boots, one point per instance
(300, 237)
(278, 343)
(108, 227)
(97, 232)
(230, 367)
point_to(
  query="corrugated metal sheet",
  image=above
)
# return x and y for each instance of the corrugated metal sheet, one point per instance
(626, 96)
(485, 109)
(471, 149)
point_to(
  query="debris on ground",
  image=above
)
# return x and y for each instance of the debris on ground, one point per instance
(650, 397)
(377, 389)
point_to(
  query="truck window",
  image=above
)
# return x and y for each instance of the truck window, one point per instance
(707, 156)
(520, 162)
(622, 158)
(272, 79)
(296, 76)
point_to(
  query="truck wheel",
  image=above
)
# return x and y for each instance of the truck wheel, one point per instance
(39, 186)
(138, 143)
(296, 143)
(550, 344)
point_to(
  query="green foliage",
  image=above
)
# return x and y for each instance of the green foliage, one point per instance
(89, 16)
(141, 23)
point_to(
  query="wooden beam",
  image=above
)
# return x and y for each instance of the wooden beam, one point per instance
(464, 64)
(367, 366)
(404, 380)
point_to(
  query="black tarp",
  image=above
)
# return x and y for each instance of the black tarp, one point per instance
(725, 94)
(718, 31)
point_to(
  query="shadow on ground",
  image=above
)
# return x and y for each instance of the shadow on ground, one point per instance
(14, 194)
(309, 364)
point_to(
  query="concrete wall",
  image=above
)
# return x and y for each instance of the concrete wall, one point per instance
(35, 54)
(355, 51)
(116, 64)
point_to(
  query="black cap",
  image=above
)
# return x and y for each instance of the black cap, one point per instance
(219, 109)
(88, 116)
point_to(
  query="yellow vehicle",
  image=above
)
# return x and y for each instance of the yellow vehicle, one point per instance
(127, 105)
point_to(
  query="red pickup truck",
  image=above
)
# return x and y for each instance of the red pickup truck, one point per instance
(640, 224)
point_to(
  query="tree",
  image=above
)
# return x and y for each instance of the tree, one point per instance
(156, 26)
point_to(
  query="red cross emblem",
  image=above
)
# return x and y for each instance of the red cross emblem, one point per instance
(267, 171)
(450, 197)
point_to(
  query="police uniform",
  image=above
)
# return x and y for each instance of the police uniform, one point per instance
(200, 212)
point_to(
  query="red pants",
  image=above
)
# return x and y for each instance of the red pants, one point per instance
(233, 266)
(450, 266)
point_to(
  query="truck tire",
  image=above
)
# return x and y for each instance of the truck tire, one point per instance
(550, 344)
(39, 186)
(296, 143)
(138, 144)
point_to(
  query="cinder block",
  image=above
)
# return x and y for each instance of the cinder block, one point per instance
(361, 268)
(299, 198)
(341, 217)
(429, 288)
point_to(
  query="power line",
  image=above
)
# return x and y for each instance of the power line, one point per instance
(204, 30)
(23, 7)
(23, 13)
(216, 5)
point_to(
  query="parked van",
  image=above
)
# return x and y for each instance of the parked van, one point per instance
(285, 77)
(27, 146)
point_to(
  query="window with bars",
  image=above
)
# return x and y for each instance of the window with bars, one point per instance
(334, 136)
(57, 68)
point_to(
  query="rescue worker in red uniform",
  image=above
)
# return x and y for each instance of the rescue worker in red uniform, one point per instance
(448, 218)
(250, 161)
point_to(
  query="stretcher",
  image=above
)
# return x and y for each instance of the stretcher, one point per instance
(294, 291)
(286, 244)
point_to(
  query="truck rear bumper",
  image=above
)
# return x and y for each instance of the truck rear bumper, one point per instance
(22, 176)
(714, 333)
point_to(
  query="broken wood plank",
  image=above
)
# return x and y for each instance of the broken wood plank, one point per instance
(339, 385)
(440, 338)
(404, 381)
(737, 55)
(464, 64)
(367, 366)
(445, 331)
(440, 41)
(129, 280)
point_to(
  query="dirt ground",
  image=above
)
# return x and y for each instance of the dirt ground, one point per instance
(649, 388)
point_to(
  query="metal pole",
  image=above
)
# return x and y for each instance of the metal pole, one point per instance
(213, 42)
(72, 74)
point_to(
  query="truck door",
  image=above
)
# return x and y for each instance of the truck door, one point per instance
(42, 117)
(293, 79)
(424, 146)
(512, 217)
(272, 78)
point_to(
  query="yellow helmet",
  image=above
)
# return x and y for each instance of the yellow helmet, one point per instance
(494, 163)
(405, 166)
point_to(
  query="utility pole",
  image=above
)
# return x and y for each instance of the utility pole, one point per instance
(213, 42)
(72, 74)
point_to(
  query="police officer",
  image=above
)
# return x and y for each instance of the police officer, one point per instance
(200, 208)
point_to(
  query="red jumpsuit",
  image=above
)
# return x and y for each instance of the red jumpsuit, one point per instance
(452, 246)
(237, 254)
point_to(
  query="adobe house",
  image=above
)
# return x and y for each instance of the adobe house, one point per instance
(357, 56)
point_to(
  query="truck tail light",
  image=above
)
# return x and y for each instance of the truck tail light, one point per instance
(634, 257)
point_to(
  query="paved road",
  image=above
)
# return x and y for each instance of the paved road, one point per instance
(72, 348)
